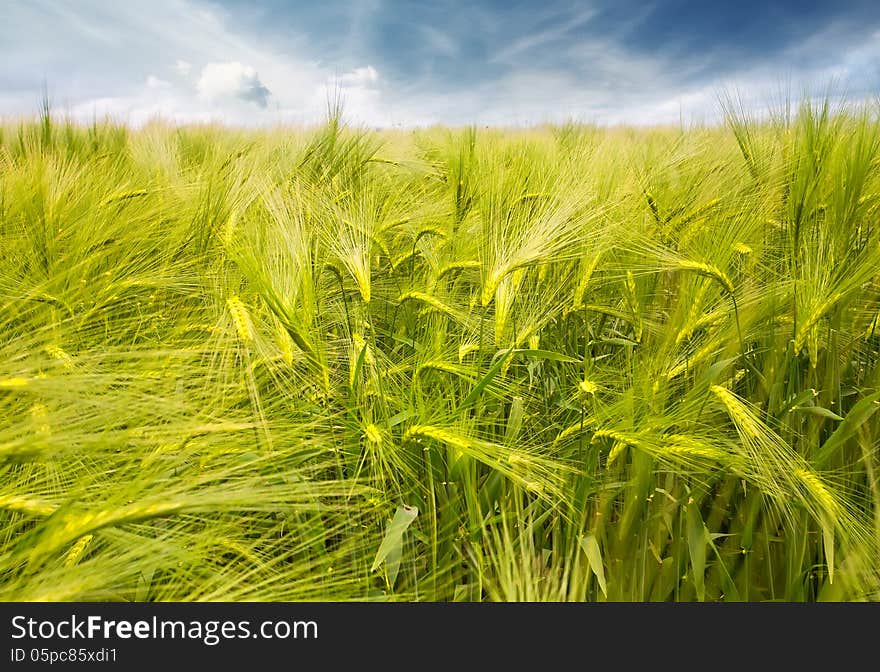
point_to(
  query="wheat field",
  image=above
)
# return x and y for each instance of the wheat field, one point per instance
(556, 363)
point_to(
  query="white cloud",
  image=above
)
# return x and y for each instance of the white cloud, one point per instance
(154, 82)
(220, 81)
(183, 67)
(359, 77)
(143, 108)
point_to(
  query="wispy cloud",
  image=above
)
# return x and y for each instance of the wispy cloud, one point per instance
(543, 38)
(439, 41)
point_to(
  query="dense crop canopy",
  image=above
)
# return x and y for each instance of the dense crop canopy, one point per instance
(550, 364)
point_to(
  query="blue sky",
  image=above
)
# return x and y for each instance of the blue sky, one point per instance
(408, 62)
